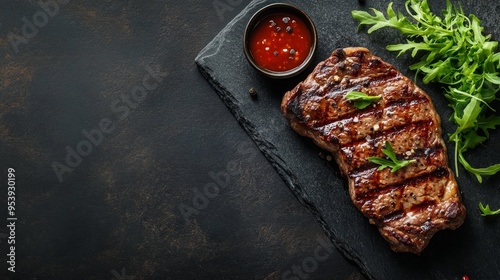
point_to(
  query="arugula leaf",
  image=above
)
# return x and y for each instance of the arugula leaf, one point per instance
(490, 122)
(451, 50)
(393, 162)
(379, 20)
(479, 172)
(469, 116)
(486, 211)
(362, 100)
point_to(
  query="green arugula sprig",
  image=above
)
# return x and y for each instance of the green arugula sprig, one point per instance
(393, 163)
(486, 211)
(361, 99)
(453, 52)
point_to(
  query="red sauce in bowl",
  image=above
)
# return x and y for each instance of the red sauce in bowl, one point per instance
(280, 42)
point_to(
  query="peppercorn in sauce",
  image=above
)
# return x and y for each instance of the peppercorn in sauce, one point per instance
(280, 42)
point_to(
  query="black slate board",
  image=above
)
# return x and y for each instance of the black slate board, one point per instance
(473, 249)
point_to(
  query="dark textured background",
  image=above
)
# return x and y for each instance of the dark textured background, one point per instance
(116, 215)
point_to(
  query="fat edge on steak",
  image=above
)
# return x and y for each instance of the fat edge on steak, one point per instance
(410, 205)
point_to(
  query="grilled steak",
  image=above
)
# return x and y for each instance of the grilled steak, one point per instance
(410, 205)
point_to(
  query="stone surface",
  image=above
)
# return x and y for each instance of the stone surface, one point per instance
(316, 182)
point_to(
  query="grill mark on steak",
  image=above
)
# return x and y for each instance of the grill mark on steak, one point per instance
(437, 173)
(357, 152)
(425, 157)
(375, 136)
(374, 110)
(396, 215)
(372, 124)
(425, 205)
(338, 88)
(411, 204)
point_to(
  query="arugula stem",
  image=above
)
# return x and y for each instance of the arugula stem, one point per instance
(456, 158)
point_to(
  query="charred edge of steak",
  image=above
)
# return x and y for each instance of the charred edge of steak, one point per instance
(410, 205)
(407, 237)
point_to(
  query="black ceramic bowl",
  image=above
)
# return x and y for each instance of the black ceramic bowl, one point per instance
(280, 8)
